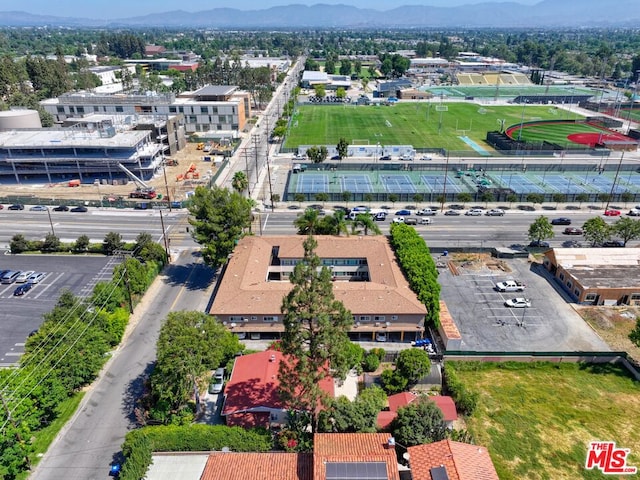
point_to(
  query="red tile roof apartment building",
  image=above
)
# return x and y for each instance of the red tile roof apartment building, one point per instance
(367, 279)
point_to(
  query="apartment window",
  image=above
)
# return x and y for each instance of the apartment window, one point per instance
(96, 109)
(193, 119)
(569, 284)
(576, 292)
(60, 109)
(394, 317)
(364, 318)
(173, 109)
(80, 109)
(590, 297)
(235, 319)
(119, 109)
(379, 318)
(561, 276)
(204, 110)
(270, 319)
(635, 296)
(181, 109)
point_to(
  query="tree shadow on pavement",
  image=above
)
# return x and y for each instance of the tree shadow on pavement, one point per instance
(193, 276)
(134, 391)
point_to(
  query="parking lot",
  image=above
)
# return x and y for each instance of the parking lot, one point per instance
(486, 324)
(20, 315)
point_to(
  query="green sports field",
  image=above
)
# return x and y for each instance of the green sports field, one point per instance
(421, 124)
(554, 133)
(505, 91)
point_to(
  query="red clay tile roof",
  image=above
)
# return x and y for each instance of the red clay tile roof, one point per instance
(385, 418)
(353, 447)
(245, 291)
(401, 399)
(254, 383)
(461, 460)
(447, 323)
(258, 466)
(248, 419)
(447, 406)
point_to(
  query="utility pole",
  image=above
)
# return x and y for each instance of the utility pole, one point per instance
(255, 149)
(166, 184)
(613, 185)
(246, 168)
(164, 237)
(51, 223)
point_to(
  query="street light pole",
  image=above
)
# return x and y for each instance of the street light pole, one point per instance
(51, 223)
(613, 185)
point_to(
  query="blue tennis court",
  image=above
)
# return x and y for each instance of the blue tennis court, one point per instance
(603, 184)
(562, 184)
(356, 183)
(519, 183)
(312, 183)
(435, 183)
(398, 184)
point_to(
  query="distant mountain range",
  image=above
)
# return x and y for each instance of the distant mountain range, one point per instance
(547, 13)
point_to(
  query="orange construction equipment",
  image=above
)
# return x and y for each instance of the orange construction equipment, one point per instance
(74, 183)
(180, 177)
(192, 167)
(196, 174)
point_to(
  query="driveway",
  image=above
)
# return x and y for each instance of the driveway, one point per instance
(486, 324)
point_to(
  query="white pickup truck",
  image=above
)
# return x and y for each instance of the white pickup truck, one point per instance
(510, 286)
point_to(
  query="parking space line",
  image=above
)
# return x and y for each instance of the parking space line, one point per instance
(48, 285)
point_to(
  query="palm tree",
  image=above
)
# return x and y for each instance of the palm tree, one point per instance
(308, 222)
(240, 182)
(339, 223)
(365, 221)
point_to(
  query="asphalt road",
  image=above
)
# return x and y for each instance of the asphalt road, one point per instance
(462, 231)
(91, 440)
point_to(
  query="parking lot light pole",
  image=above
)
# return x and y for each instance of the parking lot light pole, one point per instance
(51, 223)
(613, 185)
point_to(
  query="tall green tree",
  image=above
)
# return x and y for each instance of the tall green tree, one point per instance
(540, 229)
(342, 147)
(419, 422)
(112, 242)
(315, 334)
(219, 218)
(240, 182)
(364, 221)
(627, 229)
(413, 364)
(308, 222)
(596, 231)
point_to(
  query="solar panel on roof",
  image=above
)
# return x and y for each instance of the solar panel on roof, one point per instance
(439, 473)
(356, 471)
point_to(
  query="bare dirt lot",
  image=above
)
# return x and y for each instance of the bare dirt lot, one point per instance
(613, 324)
(177, 188)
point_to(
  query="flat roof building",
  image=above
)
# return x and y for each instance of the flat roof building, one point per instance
(367, 279)
(597, 276)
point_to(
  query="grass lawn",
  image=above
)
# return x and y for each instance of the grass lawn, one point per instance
(43, 438)
(555, 133)
(537, 419)
(415, 123)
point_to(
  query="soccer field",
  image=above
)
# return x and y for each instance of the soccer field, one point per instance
(421, 124)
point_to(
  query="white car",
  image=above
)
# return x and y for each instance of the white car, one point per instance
(24, 276)
(495, 212)
(518, 303)
(381, 337)
(36, 277)
(474, 212)
(398, 220)
(424, 221)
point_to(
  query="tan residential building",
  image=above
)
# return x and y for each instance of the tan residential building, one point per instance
(367, 279)
(598, 276)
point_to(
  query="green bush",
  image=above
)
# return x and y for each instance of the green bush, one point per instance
(371, 362)
(466, 401)
(634, 336)
(378, 352)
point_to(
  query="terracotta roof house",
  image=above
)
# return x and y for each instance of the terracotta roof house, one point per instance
(258, 466)
(367, 279)
(338, 456)
(444, 403)
(251, 395)
(451, 460)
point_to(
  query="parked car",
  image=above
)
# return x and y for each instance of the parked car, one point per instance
(474, 212)
(61, 208)
(385, 157)
(79, 209)
(421, 342)
(217, 381)
(495, 212)
(403, 212)
(16, 206)
(9, 276)
(36, 277)
(613, 244)
(39, 208)
(398, 220)
(22, 289)
(425, 221)
(572, 231)
(360, 208)
(380, 216)
(634, 212)
(510, 286)
(24, 276)
(411, 221)
(561, 221)
(612, 213)
(539, 244)
(381, 337)
(518, 303)
(452, 213)
(426, 212)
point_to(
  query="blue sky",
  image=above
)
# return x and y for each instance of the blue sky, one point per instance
(129, 8)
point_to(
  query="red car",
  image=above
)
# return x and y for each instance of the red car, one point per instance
(612, 213)
(572, 231)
